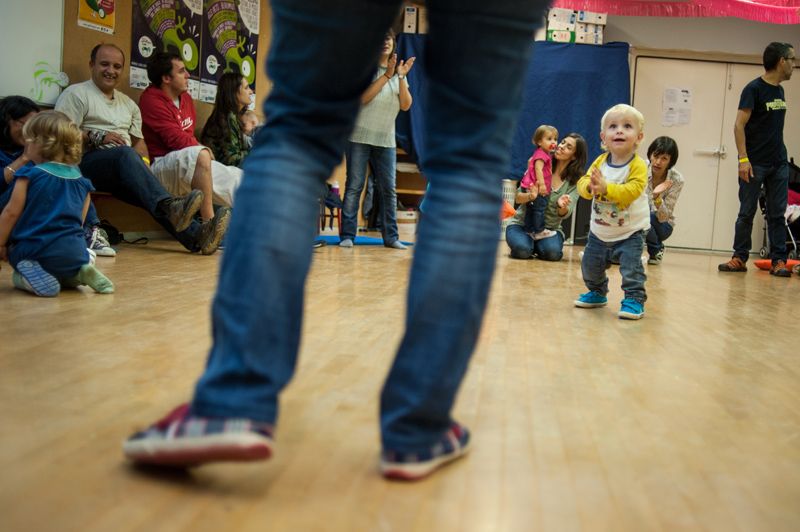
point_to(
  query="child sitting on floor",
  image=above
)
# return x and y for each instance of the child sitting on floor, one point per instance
(41, 231)
(620, 216)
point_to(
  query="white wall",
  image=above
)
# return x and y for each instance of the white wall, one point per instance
(30, 43)
(726, 35)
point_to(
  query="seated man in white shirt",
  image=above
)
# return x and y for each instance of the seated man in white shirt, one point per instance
(180, 162)
(116, 158)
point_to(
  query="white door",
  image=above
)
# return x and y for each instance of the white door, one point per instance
(727, 197)
(698, 140)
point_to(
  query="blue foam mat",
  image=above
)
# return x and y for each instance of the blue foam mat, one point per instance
(333, 240)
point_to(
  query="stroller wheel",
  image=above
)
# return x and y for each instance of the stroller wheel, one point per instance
(793, 254)
(763, 253)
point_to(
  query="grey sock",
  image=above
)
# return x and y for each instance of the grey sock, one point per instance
(397, 245)
(346, 243)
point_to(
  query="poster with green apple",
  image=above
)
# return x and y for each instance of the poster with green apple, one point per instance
(230, 42)
(170, 26)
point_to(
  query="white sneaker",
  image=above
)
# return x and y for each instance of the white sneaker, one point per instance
(346, 243)
(99, 243)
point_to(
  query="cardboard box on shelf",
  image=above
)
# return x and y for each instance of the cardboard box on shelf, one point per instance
(589, 38)
(410, 19)
(422, 20)
(560, 36)
(407, 222)
(561, 15)
(556, 25)
(591, 17)
(583, 27)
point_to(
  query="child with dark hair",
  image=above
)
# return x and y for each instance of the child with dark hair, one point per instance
(41, 228)
(536, 180)
(664, 185)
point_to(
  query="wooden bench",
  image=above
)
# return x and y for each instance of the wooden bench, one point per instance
(132, 221)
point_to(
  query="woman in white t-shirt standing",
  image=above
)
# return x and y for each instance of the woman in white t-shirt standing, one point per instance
(373, 143)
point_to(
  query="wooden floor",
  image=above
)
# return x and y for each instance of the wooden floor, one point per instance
(686, 420)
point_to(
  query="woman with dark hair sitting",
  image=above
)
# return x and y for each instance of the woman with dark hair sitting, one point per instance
(223, 130)
(15, 111)
(569, 164)
(664, 185)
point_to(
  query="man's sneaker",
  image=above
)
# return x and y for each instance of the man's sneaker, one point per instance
(415, 466)
(734, 265)
(796, 269)
(97, 241)
(319, 243)
(182, 440)
(631, 310)
(779, 269)
(346, 243)
(30, 276)
(591, 299)
(657, 258)
(212, 231)
(181, 211)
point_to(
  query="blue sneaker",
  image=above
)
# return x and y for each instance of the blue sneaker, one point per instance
(591, 300)
(183, 440)
(631, 310)
(415, 466)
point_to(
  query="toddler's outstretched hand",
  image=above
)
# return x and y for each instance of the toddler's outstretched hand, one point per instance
(542, 189)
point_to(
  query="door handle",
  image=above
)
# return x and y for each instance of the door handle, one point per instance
(714, 152)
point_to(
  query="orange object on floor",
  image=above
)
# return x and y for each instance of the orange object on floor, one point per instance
(766, 264)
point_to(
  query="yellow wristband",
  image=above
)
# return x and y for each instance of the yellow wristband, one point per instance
(146, 160)
(744, 160)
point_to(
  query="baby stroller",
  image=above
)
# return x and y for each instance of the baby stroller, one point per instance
(793, 226)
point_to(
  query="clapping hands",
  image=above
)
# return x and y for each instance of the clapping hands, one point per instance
(663, 187)
(597, 184)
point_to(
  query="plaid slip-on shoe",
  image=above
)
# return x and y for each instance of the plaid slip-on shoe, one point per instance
(415, 466)
(183, 440)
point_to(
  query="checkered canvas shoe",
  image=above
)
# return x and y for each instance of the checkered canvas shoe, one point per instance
(415, 466)
(182, 440)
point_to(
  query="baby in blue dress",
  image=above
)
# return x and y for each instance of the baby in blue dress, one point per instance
(41, 228)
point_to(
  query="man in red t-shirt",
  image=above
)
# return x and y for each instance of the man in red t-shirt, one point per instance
(180, 162)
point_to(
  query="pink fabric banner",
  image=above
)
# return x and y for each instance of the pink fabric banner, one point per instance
(772, 11)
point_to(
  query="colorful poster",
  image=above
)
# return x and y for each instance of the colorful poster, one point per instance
(166, 25)
(230, 42)
(97, 15)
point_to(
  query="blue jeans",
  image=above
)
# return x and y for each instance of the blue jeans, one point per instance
(775, 180)
(122, 173)
(524, 247)
(534, 213)
(628, 252)
(659, 231)
(320, 63)
(383, 162)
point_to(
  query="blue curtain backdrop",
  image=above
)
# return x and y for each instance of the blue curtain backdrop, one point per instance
(568, 86)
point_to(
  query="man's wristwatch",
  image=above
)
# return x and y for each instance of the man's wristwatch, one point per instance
(401, 76)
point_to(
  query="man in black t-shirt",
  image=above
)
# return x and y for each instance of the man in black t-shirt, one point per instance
(762, 159)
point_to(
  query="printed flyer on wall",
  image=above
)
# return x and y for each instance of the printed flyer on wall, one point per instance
(166, 25)
(97, 15)
(230, 43)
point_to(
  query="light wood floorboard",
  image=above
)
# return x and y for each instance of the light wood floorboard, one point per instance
(686, 420)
